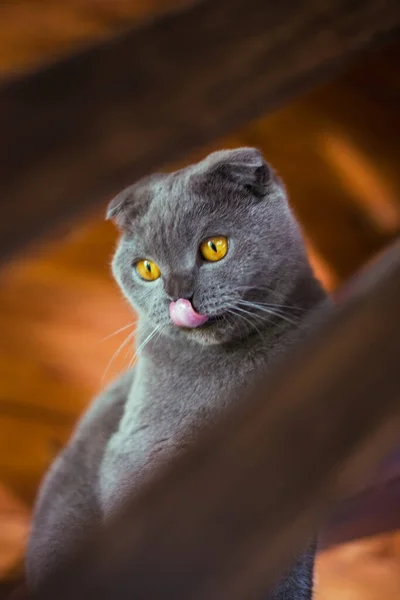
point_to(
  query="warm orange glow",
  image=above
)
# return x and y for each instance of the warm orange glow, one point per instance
(366, 569)
(14, 525)
(365, 184)
(321, 269)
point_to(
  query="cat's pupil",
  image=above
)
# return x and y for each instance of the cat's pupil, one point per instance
(213, 246)
(148, 266)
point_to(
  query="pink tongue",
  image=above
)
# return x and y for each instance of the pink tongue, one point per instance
(183, 314)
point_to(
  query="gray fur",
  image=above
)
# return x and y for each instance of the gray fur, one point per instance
(183, 378)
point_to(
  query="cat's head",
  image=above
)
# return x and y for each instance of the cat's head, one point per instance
(201, 245)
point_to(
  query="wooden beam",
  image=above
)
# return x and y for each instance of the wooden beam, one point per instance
(80, 129)
(226, 518)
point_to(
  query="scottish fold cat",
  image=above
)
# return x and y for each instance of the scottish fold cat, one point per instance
(213, 262)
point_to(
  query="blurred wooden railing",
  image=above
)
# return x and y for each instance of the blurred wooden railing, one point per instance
(227, 518)
(79, 130)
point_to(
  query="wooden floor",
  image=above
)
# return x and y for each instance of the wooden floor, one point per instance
(336, 148)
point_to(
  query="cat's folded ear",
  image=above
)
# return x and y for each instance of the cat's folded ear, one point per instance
(130, 203)
(117, 209)
(244, 166)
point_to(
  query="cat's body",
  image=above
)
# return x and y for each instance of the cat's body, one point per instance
(185, 376)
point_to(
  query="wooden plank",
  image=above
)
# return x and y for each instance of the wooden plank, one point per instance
(77, 131)
(228, 516)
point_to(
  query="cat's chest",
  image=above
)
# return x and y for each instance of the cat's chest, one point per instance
(193, 387)
(172, 398)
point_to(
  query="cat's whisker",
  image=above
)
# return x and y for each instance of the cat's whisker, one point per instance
(116, 353)
(155, 335)
(250, 314)
(274, 310)
(147, 339)
(255, 318)
(159, 334)
(261, 307)
(127, 357)
(270, 311)
(260, 288)
(263, 289)
(283, 306)
(119, 331)
(277, 313)
(273, 304)
(249, 325)
(293, 320)
(237, 304)
(236, 298)
(144, 344)
(245, 319)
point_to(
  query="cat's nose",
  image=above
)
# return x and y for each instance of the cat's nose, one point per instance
(176, 287)
(181, 295)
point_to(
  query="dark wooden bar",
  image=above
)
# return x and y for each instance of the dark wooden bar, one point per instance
(78, 130)
(226, 519)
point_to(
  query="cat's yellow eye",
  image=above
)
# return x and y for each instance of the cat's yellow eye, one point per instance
(214, 249)
(148, 270)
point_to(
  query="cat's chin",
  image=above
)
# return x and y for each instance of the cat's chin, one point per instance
(212, 333)
(207, 337)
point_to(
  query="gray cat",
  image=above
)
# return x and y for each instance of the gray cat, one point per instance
(213, 261)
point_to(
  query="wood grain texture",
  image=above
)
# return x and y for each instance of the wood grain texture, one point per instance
(80, 129)
(211, 536)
